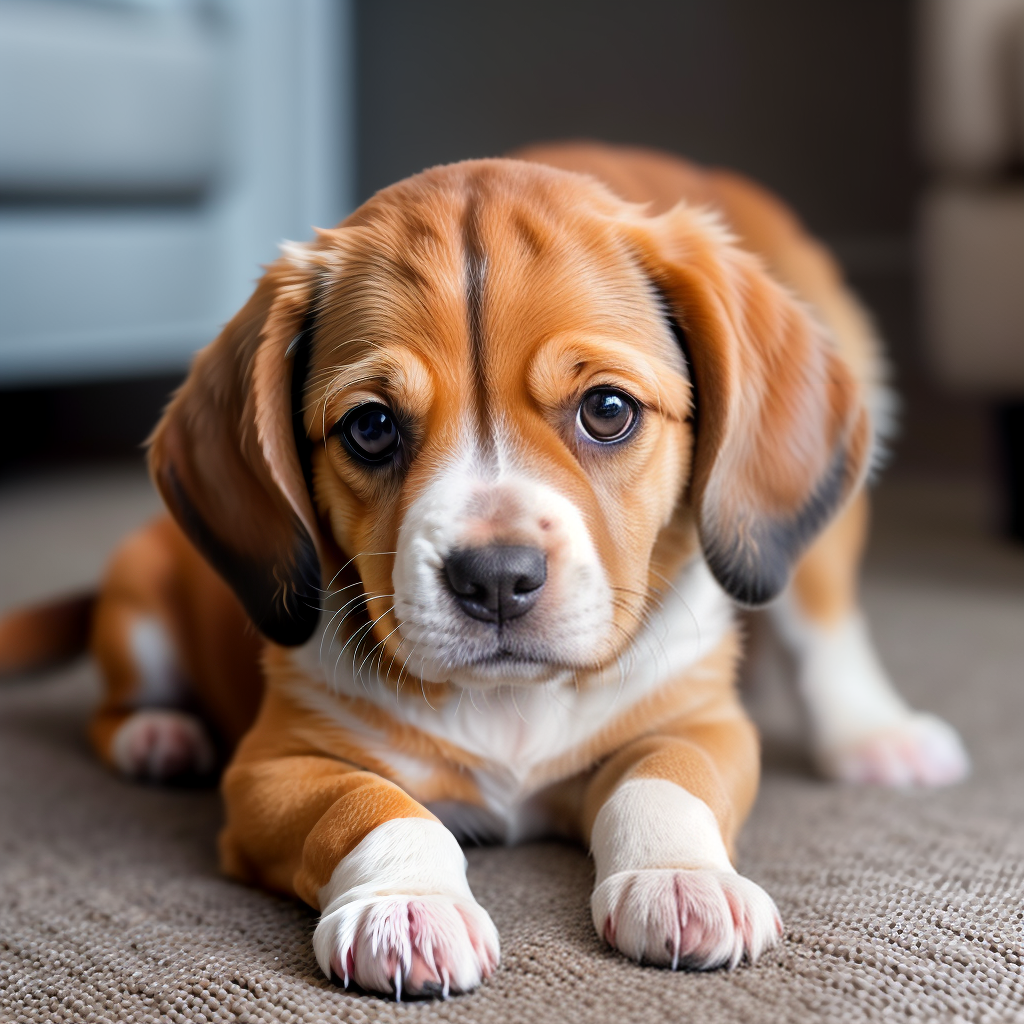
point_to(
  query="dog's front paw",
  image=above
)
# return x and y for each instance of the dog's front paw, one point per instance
(920, 750)
(673, 917)
(160, 744)
(413, 945)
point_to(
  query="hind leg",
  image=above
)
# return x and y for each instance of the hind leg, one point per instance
(142, 728)
(861, 728)
(145, 726)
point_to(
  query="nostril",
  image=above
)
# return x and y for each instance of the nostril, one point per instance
(526, 585)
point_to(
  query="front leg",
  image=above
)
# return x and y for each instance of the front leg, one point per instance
(397, 914)
(861, 728)
(665, 811)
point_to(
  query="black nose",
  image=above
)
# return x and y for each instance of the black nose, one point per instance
(496, 583)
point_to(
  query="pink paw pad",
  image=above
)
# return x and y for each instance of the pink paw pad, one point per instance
(160, 744)
(672, 917)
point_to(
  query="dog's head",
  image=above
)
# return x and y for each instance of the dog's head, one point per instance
(501, 406)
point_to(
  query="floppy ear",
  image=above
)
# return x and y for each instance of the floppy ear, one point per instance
(224, 458)
(782, 432)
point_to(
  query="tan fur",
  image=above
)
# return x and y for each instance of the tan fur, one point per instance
(157, 573)
(44, 635)
(826, 578)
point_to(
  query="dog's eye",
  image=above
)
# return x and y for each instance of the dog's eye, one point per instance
(370, 433)
(607, 414)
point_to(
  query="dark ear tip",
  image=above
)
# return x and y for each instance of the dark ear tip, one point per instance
(284, 612)
(754, 565)
(288, 630)
(290, 620)
(750, 588)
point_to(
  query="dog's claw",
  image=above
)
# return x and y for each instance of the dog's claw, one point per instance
(409, 945)
(684, 918)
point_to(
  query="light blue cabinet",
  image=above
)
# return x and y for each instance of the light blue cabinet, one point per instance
(152, 156)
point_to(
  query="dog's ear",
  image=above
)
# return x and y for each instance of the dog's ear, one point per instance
(224, 458)
(783, 436)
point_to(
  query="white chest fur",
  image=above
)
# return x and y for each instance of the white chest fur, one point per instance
(514, 730)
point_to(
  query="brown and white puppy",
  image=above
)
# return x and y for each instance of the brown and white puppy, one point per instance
(488, 466)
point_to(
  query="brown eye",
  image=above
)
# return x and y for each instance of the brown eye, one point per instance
(607, 414)
(370, 433)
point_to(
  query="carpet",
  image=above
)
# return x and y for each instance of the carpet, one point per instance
(897, 905)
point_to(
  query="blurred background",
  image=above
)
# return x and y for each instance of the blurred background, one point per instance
(154, 152)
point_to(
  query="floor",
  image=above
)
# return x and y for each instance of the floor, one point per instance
(900, 905)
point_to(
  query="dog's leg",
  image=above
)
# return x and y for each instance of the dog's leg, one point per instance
(397, 914)
(861, 729)
(141, 727)
(662, 816)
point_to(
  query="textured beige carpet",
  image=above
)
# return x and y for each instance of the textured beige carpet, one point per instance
(897, 905)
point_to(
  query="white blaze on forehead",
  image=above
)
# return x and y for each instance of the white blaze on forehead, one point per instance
(485, 497)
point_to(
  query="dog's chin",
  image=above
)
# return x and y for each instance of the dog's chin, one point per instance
(504, 669)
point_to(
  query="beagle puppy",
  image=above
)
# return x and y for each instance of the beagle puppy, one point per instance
(488, 467)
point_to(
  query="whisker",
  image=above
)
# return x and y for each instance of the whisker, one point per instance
(358, 674)
(337, 629)
(391, 664)
(682, 601)
(381, 644)
(424, 693)
(328, 594)
(515, 703)
(406, 662)
(365, 598)
(650, 596)
(641, 617)
(358, 554)
(332, 618)
(365, 626)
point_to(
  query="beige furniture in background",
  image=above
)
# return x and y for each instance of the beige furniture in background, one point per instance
(971, 114)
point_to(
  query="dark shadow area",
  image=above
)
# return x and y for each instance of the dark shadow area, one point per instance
(51, 710)
(97, 421)
(787, 756)
(812, 99)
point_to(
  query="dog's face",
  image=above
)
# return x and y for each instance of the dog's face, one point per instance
(495, 396)
(474, 396)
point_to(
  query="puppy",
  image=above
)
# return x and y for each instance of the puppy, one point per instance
(488, 466)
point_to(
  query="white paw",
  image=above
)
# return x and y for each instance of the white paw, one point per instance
(159, 744)
(672, 917)
(921, 750)
(413, 945)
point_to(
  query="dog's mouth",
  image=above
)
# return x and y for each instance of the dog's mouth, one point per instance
(507, 655)
(508, 666)
(508, 660)
(499, 658)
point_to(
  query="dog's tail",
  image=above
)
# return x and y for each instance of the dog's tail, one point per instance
(45, 635)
